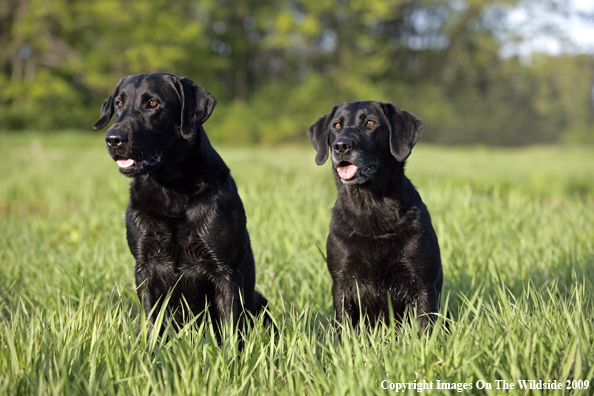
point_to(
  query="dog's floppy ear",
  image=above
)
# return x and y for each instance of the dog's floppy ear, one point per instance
(405, 130)
(197, 105)
(319, 136)
(107, 108)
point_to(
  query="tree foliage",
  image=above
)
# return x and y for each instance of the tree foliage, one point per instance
(275, 66)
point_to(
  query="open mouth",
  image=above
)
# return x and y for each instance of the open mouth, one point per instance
(350, 172)
(131, 164)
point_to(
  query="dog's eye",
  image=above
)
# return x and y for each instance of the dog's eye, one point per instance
(370, 123)
(119, 104)
(336, 126)
(152, 103)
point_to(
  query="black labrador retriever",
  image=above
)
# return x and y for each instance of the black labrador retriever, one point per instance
(381, 248)
(185, 222)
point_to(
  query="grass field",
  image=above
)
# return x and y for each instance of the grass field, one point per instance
(516, 230)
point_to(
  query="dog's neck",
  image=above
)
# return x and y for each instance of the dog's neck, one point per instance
(188, 177)
(379, 205)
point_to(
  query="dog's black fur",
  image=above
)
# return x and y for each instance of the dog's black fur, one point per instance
(185, 222)
(381, 247)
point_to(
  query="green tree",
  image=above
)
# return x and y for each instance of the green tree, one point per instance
(276, 66)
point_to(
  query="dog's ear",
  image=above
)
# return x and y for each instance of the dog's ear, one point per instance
(405, 130)
(107, 108)
(197, 105)
(319, 136)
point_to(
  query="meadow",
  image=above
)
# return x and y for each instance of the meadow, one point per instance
(516, 231)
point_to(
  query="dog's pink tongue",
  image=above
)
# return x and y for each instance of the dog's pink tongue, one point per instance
(125, 163)
(346, 172)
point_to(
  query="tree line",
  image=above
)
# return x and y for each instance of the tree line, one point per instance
(276, 66)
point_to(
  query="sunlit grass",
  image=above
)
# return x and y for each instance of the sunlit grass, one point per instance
(516, 231)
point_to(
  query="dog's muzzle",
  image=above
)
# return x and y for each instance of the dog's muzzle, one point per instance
(350, 173)
(350, 167)
(132, 168)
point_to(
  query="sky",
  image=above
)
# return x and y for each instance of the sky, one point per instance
(541, 30)
(581, 31)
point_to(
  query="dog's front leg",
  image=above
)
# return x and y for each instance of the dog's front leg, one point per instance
(229, 305)
(344, 306)
(427, 306)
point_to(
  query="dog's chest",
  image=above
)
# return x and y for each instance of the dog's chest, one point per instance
(372, 258)
(171, 244)
(372, 266)
(182, 244)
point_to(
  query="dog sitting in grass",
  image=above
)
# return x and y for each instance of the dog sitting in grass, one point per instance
(382, 249)
(185, 222)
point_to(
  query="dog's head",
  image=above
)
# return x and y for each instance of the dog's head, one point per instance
(158, 116)
(362, 137)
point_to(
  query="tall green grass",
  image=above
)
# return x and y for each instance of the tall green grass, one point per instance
(516, 230)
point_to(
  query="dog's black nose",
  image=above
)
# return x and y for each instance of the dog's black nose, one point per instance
(342, 146)
(115, 138)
